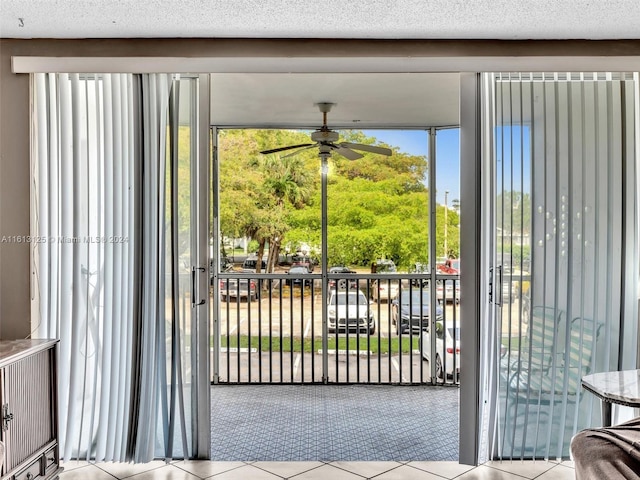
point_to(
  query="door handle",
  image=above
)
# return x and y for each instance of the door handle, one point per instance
(498, 289)
(7, 417)
(491, 285)
(194, 287)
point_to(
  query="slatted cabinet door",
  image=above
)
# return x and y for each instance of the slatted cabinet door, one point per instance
(29, 409)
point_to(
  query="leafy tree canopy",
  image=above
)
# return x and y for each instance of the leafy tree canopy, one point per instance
(377, 205)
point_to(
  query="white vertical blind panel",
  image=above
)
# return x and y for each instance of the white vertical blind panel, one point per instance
(109, 374)
(149, 275)
(116, 247)
(54, 286)
(66, 253)
(86, 194)
(123, 240)
(81, 137)
(565, 148)
(631, 241)
(154, 390)
(40, 192)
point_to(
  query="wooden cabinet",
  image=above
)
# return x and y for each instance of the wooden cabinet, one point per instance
(29, 409)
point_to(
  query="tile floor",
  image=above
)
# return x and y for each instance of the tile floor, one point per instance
(197, 470)
(298, 423)
(295, 410)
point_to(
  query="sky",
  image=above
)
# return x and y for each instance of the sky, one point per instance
(416, 142)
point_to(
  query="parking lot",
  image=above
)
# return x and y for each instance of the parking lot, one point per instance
(277, 338)
(297, 315)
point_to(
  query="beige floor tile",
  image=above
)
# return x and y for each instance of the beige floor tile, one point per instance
(327, 472)
(444, 469)
(287, 469)
(527, 469)
(248, 472)
(73, 464)
(487, 473)
(204, 468)
(405, 472)
(559, 472)
(366, 469)
(168, 472)
(124, 470)
(86, 472)
(568, 463)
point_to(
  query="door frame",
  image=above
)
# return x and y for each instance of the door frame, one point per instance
(358, 62)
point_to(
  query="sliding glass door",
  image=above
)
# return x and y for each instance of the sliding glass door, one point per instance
(564, 270)
(120, 262)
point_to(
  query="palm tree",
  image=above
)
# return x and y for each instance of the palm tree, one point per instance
(287, 183)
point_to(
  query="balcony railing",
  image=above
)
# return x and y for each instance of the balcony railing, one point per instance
(364, 328)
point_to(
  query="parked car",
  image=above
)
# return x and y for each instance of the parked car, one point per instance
(447, 341)
(238, 288)
(411, 309)
(448, 291)
(384, 289)
(298, 270)
(303, 261)
(383, 266)
(350, 309)
(225, 266)
(451, 266)
(422, 269)
(342, 282)
(250, 265)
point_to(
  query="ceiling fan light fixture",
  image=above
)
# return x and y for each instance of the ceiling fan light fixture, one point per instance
(326, 141)
(325, 107)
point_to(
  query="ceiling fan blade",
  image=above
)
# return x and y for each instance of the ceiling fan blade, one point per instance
(367, 148)
(346, 152)
(281, 149)
(298, 151)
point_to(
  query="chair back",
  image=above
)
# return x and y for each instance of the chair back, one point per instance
(546, 329)
(582, 345)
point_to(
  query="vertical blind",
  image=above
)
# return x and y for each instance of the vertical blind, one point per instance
(562, 161)
(101, 213)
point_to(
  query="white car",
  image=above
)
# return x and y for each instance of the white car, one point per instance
(446, 292)
(447, 341)
(350, 309)
(384, 289)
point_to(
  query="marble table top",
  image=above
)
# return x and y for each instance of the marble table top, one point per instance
(616, 387)
(14, 350)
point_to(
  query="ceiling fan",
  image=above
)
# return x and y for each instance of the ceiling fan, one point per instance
(325, 139)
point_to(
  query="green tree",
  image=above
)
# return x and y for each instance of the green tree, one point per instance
(378, 206)
(286, 185)
(257, 192)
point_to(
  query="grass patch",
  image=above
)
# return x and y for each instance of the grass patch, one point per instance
(515, 343)
(296, 344)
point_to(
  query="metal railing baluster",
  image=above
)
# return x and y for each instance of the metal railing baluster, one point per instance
(228, 338)
(313, 335)
(270, 284)
(259, 295)
(238, 333)
(292, 346)
(291, 288)
(249, 343)
(280, 328)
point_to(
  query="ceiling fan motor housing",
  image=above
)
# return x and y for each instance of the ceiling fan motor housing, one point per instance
(324, 136)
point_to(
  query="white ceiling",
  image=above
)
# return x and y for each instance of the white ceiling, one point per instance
(391, 19)
(363, 100)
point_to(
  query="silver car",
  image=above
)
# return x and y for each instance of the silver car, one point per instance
(350, 309)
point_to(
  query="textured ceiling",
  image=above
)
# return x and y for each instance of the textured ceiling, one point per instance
(363, 100)
(384, 19)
